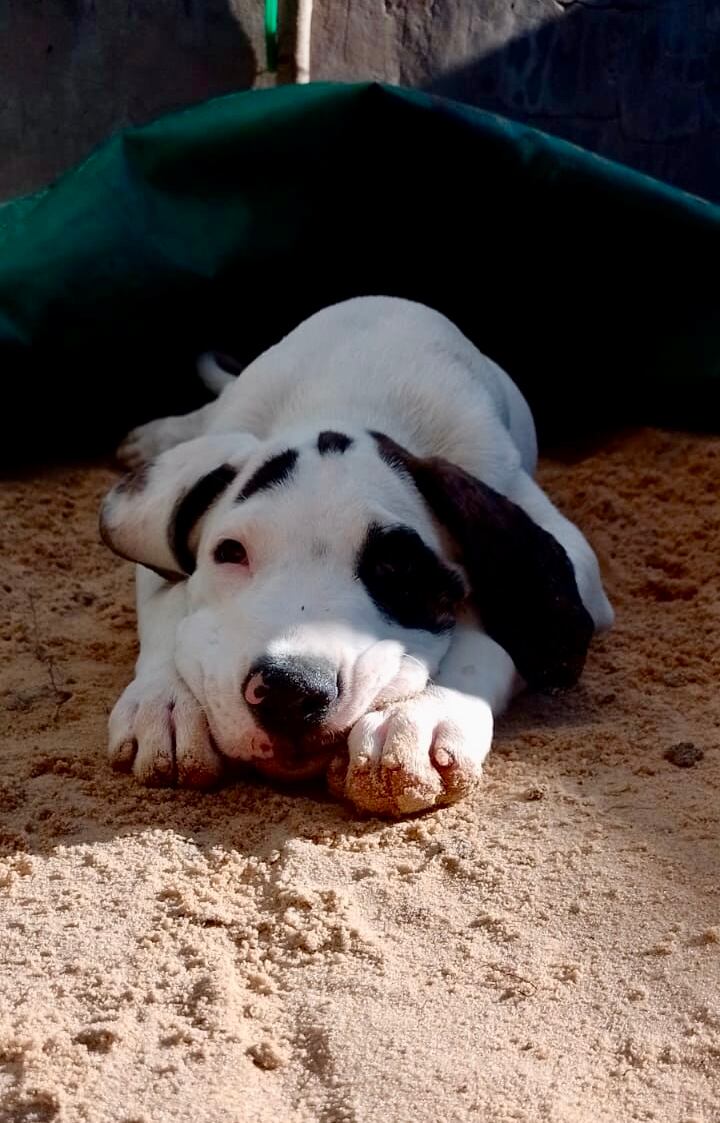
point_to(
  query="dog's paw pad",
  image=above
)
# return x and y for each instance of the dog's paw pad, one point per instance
(122, 755)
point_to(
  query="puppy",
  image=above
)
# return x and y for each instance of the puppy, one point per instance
(345, 566)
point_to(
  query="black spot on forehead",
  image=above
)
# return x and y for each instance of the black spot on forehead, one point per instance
(329, 441)
(275, 471)
(407, 581)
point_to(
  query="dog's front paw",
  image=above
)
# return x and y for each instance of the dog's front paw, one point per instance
(143, 444)
(416, 754)
(158, 732)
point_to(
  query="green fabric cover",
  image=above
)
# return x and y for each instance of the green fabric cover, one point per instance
(224, 225)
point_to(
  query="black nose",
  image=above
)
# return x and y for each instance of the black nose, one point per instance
(290, 696)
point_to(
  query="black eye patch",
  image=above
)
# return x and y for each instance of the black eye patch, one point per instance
(407, 581)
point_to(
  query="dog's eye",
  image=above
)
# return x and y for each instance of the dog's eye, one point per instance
(407, 580)
(230, 552)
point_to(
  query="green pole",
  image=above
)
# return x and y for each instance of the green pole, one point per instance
(271, 34)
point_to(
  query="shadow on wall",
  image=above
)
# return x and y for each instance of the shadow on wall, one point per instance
(74, 71)
(635, 80)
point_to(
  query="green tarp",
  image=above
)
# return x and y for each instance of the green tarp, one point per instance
(223, 225)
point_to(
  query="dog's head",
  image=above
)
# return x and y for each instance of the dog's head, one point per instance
(324, 578)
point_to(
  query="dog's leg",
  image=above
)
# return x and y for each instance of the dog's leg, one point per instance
(429, 750)
(533, 500)
(148, 441)
(157, 730)
(142, 444)
(478, 666)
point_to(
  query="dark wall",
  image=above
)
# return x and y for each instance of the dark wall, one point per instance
(636, 80)
(74, 71)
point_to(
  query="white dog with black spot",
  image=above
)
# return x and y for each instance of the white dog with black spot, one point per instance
(345, 565)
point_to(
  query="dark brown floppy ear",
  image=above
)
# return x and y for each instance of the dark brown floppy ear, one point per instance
(522, 581)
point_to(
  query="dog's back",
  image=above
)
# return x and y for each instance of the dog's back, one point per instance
(392, 365)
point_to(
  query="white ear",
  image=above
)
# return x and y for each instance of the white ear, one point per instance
(150, 515)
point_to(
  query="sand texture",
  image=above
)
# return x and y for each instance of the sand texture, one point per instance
(547, 950)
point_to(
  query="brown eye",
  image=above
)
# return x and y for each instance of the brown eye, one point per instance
(230, 552)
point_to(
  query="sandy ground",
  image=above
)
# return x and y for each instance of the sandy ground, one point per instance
(549, 950)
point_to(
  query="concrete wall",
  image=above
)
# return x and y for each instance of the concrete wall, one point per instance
(638, 80)
(74, 71)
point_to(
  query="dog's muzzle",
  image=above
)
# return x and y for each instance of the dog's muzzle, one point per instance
(290, 699)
